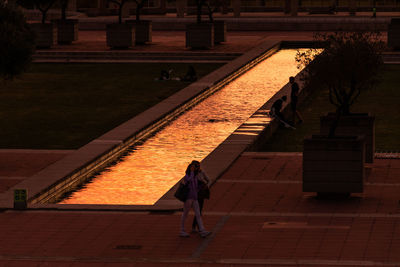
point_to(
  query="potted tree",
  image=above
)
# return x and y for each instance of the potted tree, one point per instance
(46, 33)
(120, 35)
(200, 34)
(67, 29)
(219, 25)
(143, 28)
(17, 42)
(350, 63)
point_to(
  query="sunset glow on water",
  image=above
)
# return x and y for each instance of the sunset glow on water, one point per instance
(151, 169)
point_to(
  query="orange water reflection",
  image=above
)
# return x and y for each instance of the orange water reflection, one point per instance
(154, 167)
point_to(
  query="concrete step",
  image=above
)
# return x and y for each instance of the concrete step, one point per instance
(107, 56)
(391, 58)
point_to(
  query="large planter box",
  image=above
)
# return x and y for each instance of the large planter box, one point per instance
(200, 35)
(333, 165)
(219, 31)
(67, 31)
(46, 34)
(354, 124)
(393, 34)
(120, 35)
(143, 30)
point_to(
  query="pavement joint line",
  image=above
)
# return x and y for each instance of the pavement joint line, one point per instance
(36, 151)
(14, 177)
(78, 211)
(307, 262)
(260, 181)
(130, 61)
(383, 184)
(301, 225)
(267, 155)
(303, 214)
(103, 259)
(100, 141)
(200, 249)
(291, 182)
(232, 261)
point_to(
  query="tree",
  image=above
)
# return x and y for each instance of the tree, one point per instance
(16, 42)
(64, 5)
(211, 7)
(199, 5)
(42, 5)
(120, 4)
(139, 7)
(349, 64)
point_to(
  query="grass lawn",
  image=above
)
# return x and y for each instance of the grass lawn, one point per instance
(383, 102)
(64, 106)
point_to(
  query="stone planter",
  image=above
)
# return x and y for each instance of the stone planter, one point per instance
(143, 31)
(120, 35)
(394, 33)
(67, 31)
(333, 165)
(46, 34)
(354, 124)
(219, 31)
(200, 35)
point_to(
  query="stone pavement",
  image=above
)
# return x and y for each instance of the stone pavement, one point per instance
(257, 212)
(18, 164)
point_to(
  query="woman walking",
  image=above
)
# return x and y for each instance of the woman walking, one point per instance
(191, 181)
(203, 192)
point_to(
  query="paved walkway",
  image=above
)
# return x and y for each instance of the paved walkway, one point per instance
(174, 41)
(258, 215)
(19, 164)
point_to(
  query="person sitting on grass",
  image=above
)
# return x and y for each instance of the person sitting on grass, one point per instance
(190, 76)
(164, 75)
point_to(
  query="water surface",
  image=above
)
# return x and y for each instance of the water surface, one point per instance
(152, 168)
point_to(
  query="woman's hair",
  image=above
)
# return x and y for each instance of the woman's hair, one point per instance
(196, 170)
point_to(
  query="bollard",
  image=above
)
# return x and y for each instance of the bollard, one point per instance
(20, 197)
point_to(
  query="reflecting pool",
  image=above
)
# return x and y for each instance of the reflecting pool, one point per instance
(152, 168)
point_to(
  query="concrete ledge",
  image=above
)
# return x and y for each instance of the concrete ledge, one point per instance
(324, 23)
(131, 56)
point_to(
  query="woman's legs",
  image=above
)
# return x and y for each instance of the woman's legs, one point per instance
(194, 224)
(191, 203)
(186, 208)
(197, 213)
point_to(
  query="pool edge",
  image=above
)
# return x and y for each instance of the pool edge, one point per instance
(60, 176)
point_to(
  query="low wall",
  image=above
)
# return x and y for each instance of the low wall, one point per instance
(261, 24)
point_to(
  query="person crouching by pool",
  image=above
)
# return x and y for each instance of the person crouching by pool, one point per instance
(192, 201)
(203, 191)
